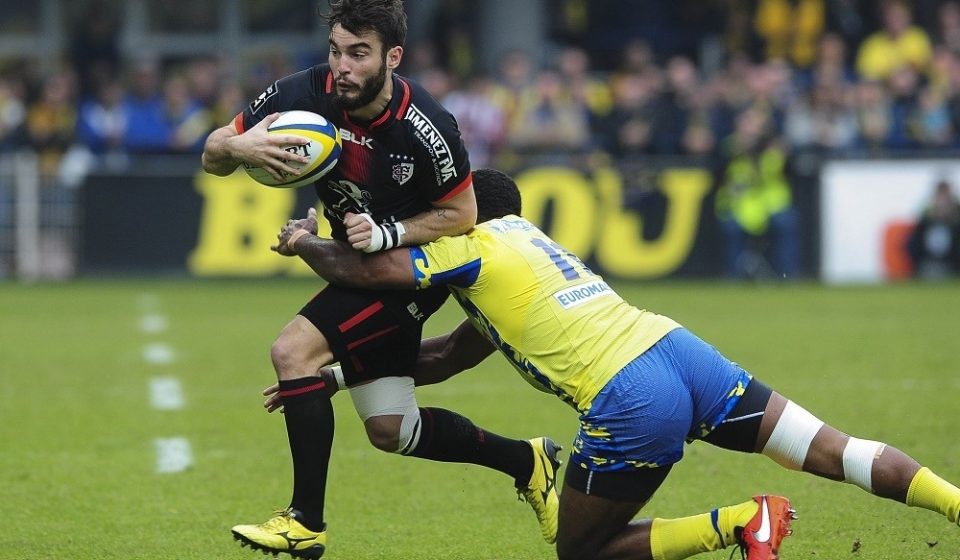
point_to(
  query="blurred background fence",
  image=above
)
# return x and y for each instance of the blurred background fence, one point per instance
(761, 139)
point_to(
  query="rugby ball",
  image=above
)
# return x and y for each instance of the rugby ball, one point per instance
(322, 149)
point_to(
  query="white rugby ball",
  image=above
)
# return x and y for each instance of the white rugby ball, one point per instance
(322, 149)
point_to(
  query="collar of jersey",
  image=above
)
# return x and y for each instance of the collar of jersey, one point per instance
(396, 108)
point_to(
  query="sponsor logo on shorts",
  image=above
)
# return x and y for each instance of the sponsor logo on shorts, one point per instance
(415, 312)
(577, 295)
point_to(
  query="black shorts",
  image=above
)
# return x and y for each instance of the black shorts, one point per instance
(740, 429)
(373, 334)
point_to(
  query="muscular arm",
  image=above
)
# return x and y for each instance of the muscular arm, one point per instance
(217, 156)
(451, 217)
(337, 263)
(226, 148)
(442, 357)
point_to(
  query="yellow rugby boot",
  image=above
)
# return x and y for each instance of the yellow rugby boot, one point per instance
(541, 491)
(282, 533)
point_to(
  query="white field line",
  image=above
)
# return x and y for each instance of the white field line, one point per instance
(173, 455)
(153, 323)
(148, 302)
(158, 353)
(166, 393)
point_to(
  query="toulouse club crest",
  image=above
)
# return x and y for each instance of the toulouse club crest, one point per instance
(402, 172)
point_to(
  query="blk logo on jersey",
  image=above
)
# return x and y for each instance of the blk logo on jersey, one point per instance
(262, 98)
(402, 172)
(348, 136)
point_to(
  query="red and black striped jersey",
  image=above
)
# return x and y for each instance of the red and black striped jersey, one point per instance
(392, 167)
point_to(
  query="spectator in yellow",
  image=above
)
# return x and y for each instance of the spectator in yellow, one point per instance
(546, 121)
(790, 28)
(580, 85)
(754, 201)
(898, 43)
(51, 121)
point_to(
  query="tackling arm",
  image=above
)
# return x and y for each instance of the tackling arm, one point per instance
(450, 217)
(442, 357)
(337, 263)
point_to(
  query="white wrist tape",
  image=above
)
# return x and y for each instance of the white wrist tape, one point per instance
(858, 458)
(338, 376)
(791, 438)
(383, 236)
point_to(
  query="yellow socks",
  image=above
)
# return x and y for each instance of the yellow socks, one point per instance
(929, 491)
(673, 539)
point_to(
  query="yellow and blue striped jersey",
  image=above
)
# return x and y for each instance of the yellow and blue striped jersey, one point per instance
(563, 328)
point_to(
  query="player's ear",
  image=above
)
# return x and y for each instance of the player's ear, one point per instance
(393, 57)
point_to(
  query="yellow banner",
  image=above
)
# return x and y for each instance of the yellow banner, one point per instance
(241, 219)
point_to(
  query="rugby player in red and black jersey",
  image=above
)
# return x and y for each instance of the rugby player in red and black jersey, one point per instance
(404, 178)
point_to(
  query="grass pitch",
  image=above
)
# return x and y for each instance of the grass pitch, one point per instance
(78, 463)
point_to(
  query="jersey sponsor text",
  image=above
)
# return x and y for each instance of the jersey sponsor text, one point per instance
(572, 297)
(428, 133)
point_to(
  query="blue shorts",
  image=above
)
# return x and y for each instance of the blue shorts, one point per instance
(678, 390)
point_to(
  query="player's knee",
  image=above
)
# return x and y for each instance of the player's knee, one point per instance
(792, 437)
(383, 433)
(300, 350)
(394, 433)
(389, 412)
(296, 356)
(286, 358)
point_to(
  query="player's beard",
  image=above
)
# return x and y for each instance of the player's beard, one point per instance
(368, 91)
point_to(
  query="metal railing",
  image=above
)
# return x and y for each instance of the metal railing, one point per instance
(39, 225)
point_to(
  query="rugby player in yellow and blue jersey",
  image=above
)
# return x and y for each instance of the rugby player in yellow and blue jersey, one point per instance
(642, 384)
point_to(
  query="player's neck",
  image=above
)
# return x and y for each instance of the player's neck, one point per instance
(373, 109)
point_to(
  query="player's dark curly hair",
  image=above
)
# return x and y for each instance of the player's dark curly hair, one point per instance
(384, 17)
(497, 194)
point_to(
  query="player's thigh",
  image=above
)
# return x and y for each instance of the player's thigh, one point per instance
(299, 350)
(794, 437)
(596, 509)
(748, 426)
(372, 334)
(764, 421)
(587, 523)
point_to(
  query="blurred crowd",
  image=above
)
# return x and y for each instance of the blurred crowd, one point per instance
(895, 88)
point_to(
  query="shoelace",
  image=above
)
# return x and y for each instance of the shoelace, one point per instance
(522, 497)
(536, 504)
(740, 546)
(279, 516)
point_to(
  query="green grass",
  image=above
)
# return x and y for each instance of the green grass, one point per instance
(77, 473)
